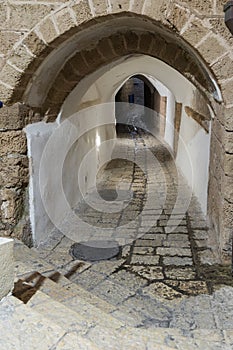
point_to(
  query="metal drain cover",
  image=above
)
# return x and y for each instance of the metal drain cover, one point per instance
(94, 250)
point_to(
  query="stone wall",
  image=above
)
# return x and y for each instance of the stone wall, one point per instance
(188, 35)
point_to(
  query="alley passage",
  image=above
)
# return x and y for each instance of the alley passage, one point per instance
(167, 269)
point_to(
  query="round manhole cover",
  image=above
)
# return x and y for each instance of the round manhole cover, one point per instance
(95, 250)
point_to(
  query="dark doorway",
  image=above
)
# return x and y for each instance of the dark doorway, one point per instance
(137, 91)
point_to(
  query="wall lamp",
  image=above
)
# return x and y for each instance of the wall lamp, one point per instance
(228, 9)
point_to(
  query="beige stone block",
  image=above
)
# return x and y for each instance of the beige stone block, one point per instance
(227, 89)
(228, 141)
(156, 9)
(26, 16)
(82, 11)
(223, 69)
(20, 58)
(120, 5)
(100, 7)
(5, 93)
(34, 43)
(14, 171)
(195, 32)
(211, 49)
(8, 40)
(12, 142)
(228, 214)
(48, 30)
(6, 266)
(13, 117)
(178, 16)
(228, 164)
(228, 188)
(218, 27)
(203, 7)
(228, 119)
(11, 206)
(64, 21)
(10, 76)
(137, 6)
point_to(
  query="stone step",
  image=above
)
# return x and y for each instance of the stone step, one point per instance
(23, 328)
(108, 337)
(126, 337)
(26, 290)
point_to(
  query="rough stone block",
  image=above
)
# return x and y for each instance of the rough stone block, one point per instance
(228, 164)
(203, 7)
(228, 141)
(227, 89)
(11, 205)
(120, 5)
(223, 69)
(218, 27)
(100, 7)
(34, 43)
(8, 40)
(178, 16)
(137, 6)
(228, 119)
(156, 9)
(20, 58)
(14, 117)
(26, 15)
(64, 21)
(211, 49)
(228, 188)
(82, 11)
(48, 30)
(12, 142)
(14, 171)
(6, 266)
(228, 214)
(195, 32)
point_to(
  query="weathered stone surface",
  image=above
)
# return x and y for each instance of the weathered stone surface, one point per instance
(176, 273)
(11, 205)
(64, 21)
(211, 49)
(12, 142)
(228, 164)
(223, 68)
(82, 11)
(203, 7)
(6, 266)
(178, 16)
(14, 117)
(195, 32)
(119, 5)
(48, 30)
(13, 171)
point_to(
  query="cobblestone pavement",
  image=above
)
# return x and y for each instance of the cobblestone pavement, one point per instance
(167, 273)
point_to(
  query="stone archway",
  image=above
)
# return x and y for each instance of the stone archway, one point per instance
(199, 58)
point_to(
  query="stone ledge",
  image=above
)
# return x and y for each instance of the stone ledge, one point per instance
(6, 266)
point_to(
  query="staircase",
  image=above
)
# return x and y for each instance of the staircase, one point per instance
(48, 311)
